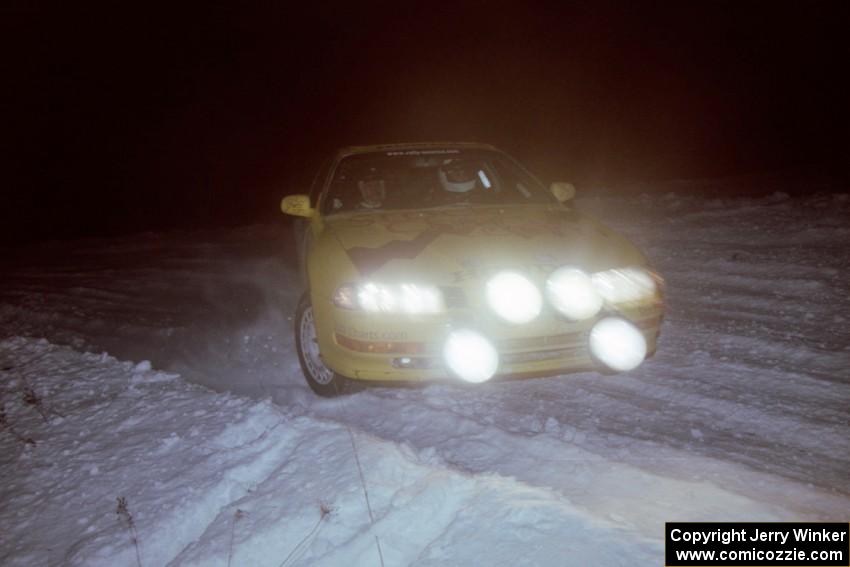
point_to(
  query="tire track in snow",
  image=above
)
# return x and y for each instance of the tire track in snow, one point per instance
(613, 487)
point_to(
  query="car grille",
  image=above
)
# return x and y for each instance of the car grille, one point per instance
(541, 355)
(454, 297)
(506, 345)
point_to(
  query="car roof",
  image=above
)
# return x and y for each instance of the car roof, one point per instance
(412, 146)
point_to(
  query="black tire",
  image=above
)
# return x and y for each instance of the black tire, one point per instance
(321, 379)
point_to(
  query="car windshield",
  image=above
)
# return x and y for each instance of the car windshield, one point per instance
(417, 179)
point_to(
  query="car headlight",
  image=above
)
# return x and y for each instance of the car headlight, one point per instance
(413, 299)
(571, 292)
(624, 285)
(513, 297)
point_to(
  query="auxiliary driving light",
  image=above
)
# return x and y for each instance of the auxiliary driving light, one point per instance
(617, 344)
(572, 293)
(470, 356)
(513, 297)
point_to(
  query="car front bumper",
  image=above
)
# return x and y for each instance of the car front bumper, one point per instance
(379, 348)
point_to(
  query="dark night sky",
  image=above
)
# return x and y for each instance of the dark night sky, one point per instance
(139, 118)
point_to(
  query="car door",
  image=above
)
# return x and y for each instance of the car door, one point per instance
(301, 226)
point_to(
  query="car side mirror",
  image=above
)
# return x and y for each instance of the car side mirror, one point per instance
(296, 205)
(563, 191)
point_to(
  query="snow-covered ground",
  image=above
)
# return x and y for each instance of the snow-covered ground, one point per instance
(744, 414)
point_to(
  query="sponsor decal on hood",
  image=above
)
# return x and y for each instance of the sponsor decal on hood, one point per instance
(372, 240)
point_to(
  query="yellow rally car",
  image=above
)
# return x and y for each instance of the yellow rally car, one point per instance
(451, 261)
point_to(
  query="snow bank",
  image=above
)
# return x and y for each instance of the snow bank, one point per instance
(212, 478)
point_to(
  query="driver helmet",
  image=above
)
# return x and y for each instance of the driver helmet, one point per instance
(457, 176)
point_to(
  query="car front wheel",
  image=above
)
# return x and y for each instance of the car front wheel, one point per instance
(321, 379)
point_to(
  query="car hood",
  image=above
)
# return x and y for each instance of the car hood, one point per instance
(449, 245)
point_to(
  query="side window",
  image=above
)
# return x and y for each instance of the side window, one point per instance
(319, 182)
